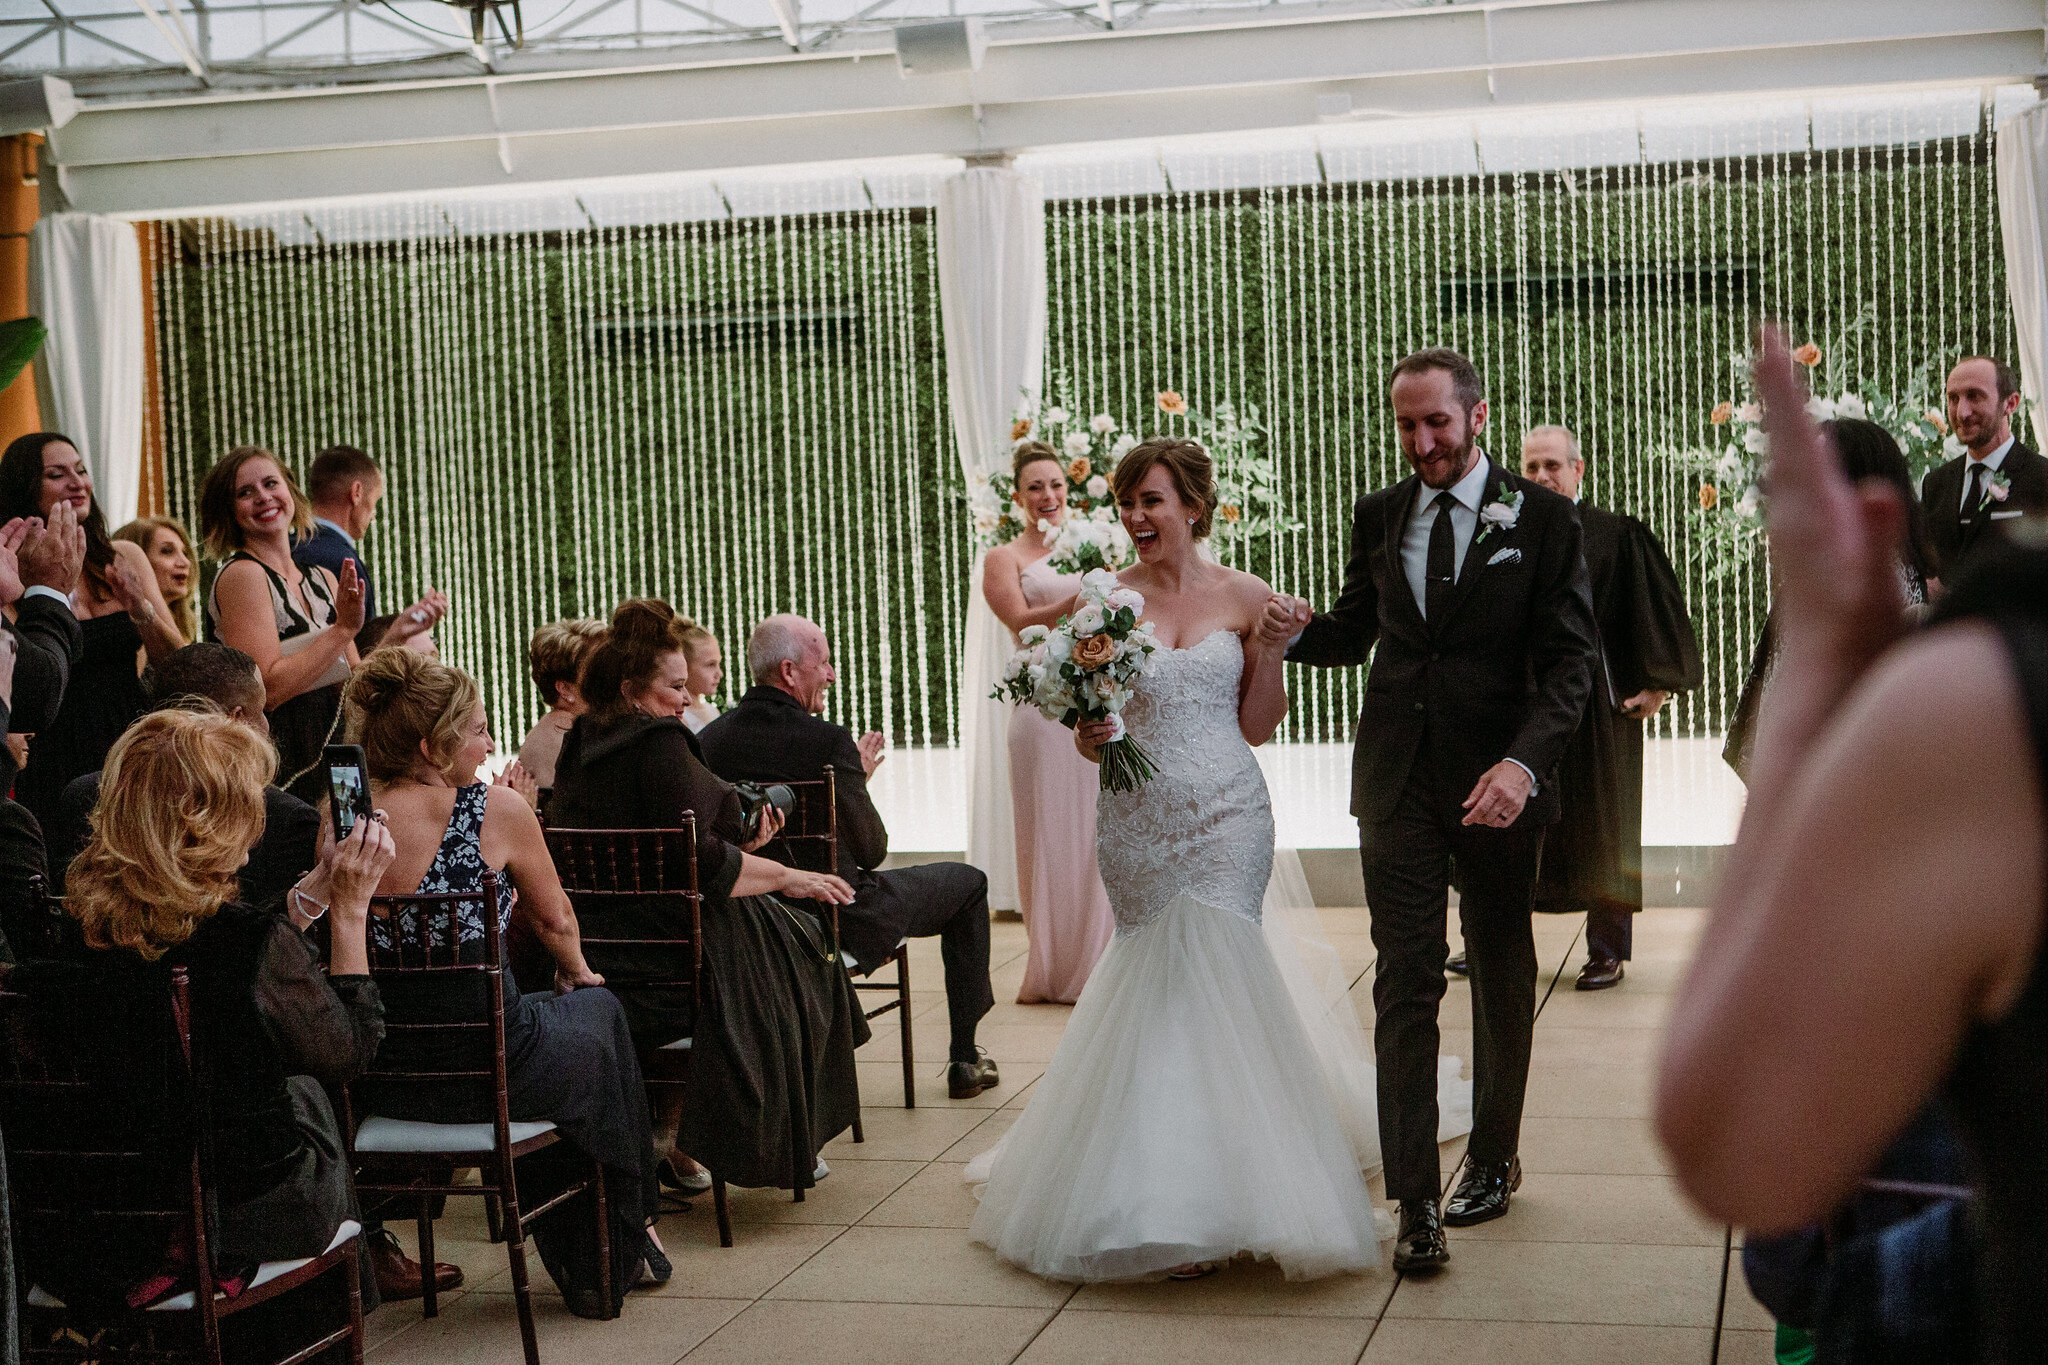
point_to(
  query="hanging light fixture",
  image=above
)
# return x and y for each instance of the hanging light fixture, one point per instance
(482, 11)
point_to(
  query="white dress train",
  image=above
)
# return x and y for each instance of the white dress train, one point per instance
(1211, 1094)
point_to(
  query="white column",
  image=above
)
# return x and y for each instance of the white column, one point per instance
(2023, 216)
(85, 276)
(991, 240)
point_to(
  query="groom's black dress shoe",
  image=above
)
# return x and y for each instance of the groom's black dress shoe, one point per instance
(1599, 973)
(1421, 1245)
(965, 1080)
(1482, 1195)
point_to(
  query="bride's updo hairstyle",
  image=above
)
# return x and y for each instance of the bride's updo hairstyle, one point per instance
(1185, 462)
(400, 700)
(645, 630)
(1029, 453)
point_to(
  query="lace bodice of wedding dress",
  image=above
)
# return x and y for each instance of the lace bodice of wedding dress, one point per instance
(1203, 825)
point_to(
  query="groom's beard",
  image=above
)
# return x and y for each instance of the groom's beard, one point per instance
(1447, 464)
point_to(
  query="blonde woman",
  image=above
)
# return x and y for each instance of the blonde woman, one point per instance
(569, 1058)
(168, 547)
(181, 804)
(707, 671)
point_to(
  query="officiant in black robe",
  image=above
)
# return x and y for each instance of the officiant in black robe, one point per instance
(1593, 859)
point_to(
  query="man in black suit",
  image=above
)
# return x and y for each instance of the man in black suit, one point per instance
(777, 734)
(344, 485)
(1471, 581)
(1995, 479)
(224, 677)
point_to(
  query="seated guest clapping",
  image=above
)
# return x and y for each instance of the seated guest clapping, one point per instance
(776, 734)
(168, 547)
(568, 1057)
(200, 677)
(155, 887)
(557, 655)
(772, 1075)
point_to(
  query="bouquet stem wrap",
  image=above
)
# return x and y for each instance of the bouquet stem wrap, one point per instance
(1086, 669)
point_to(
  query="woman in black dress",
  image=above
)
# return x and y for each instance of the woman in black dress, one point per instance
(1878, 939)
(298, 624)
(118, 604)
(772, 1075)
(181, 803)
(569, 1058)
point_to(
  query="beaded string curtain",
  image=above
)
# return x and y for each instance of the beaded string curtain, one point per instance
(748, 415)
(740, 416)
(1611, 298)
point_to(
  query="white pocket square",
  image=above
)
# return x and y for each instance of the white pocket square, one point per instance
(1509, 555)
(2001, 516)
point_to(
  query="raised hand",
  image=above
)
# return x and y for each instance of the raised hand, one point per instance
(1283, 618)
(519, 780)
(127, 589)
(1834, 545)
(348, 598)
(53, 555)
(417, 619)
(356, 865)
(12, 537)
(872, 745)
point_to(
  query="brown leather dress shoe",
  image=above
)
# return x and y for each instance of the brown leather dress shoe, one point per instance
(1599, 973)
(398, 1275)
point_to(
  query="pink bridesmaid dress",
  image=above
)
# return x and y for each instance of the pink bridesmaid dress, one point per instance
(1066, 911)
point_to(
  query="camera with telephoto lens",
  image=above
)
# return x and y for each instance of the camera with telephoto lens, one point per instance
(756, 797)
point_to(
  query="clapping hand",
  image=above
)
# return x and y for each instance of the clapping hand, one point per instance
(12, 537)
(417, 619)
(519, 780)
(128, 592)
(52, 555)
(348, 598)
(872, 745)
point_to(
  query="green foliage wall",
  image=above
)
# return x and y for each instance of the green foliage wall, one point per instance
(750, 416)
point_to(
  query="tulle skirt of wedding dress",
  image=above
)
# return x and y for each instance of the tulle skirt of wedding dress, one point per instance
(1211, 1096)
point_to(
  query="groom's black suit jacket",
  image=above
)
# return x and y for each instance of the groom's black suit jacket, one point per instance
(1504, 674)
(1954, 536)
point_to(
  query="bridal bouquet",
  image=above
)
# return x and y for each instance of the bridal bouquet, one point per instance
(1087, 669)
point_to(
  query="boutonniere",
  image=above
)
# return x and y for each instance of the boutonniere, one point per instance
(1502, 515)
(1998, 487)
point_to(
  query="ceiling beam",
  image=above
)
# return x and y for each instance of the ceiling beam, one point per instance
(184, 154)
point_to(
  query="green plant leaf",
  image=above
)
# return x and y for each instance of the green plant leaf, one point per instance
(19, 342)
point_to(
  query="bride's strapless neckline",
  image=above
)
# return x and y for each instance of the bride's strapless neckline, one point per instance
(1186, 649)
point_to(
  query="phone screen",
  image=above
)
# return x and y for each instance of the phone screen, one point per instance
(348, 789)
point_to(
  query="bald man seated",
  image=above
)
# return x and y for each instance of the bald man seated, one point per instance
(777, 733)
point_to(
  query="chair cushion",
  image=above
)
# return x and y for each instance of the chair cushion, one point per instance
(679, 1045)
(187, 1301)
(379, 1134)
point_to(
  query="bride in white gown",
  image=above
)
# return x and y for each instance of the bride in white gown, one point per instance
(1211, 1094)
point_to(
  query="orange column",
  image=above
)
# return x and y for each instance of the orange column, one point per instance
(154, 498)
(20, 206)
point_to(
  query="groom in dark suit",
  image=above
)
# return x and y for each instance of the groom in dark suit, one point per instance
(1995, 478)
(1471, 581)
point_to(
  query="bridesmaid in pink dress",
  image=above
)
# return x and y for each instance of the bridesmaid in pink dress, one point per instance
(1066, 911)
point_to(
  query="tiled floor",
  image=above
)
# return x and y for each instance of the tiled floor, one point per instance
(1599, 1260)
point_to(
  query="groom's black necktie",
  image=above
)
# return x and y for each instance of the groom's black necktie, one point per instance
(1441, 573)
(1973, 497)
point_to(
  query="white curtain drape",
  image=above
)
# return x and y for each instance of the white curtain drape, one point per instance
(2023, 218)
(85, 276)
(991, 241)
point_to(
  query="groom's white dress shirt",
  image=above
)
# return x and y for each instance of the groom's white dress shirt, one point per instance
(1464, 525)
(1991, 465)
(1422, 519)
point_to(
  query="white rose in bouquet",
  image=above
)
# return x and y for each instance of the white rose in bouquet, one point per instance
(1032, 635)
(1098, 581)
(1087, 621)
(1124, 599)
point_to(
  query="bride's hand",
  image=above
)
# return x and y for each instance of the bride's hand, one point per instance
(1090, 738)
(1284, 618)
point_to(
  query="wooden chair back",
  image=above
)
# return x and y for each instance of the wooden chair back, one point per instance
(655, 872)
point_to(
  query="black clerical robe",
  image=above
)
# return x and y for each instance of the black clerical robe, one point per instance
(1594, 855)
